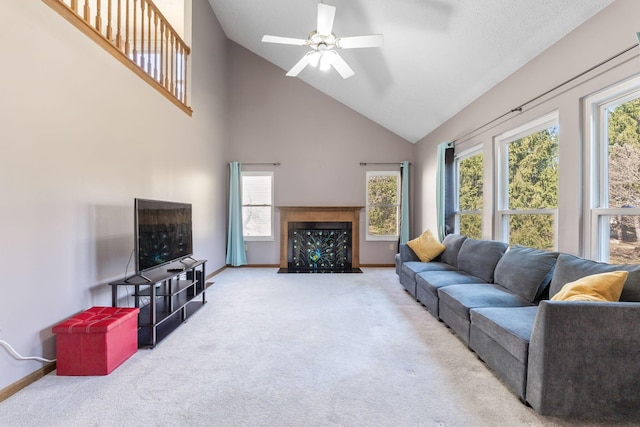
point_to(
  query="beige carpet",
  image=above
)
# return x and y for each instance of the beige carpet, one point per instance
(289, 350)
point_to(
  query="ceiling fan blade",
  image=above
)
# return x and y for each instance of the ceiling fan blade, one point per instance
(374, 40)
(284, 40)
(341, 66)
(326, 13)
(299, 66)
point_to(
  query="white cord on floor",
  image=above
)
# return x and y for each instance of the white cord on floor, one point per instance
(19, 357)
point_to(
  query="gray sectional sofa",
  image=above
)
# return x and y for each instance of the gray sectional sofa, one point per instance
(563, 358)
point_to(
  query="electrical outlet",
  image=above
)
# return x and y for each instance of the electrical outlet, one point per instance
(391, 247)
(246, 247)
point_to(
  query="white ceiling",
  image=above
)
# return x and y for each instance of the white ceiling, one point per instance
(438, 55)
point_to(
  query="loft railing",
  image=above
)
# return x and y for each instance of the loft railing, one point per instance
(137, 34)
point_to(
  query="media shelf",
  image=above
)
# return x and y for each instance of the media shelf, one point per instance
(166, 297)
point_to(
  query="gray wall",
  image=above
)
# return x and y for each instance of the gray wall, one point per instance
(606, 34)
(81, 137)
(318, 141)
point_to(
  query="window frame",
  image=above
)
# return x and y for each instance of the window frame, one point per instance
(503, 212)
(596, 171)
(370, 237)
(271, 236)
(476, 150)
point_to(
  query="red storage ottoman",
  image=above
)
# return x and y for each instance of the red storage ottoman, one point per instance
(96, 341)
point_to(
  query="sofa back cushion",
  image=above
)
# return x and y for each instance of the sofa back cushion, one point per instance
(479, 257)
(570, 268)
(525, 272)
(452, 244)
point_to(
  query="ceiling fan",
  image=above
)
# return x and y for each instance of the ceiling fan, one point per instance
(324, 45)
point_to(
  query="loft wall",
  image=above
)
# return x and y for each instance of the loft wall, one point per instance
(606, 34)
(318, 141)
(81, 137)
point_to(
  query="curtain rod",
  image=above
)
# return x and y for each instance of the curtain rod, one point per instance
(262, 164)
(518, 109)
(394, 163)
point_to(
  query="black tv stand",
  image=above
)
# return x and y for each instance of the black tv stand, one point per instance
(166, 296)
(130, 279)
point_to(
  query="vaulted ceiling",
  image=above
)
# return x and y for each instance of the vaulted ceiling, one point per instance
(438, 55)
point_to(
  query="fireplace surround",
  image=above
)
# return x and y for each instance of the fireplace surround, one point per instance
(319, 238)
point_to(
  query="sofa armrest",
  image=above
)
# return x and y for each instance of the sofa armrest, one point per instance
(407, 254)
(584, 359)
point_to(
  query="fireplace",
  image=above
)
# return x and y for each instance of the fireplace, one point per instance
(319, 246)
(319, 239)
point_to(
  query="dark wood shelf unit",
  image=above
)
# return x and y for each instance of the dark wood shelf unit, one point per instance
(168, 325)
(166, 296)
(167, 289)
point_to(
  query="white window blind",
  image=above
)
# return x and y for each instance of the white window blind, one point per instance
(257, 205)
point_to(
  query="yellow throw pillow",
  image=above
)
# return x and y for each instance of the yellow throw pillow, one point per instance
(427, 247)
(597, 287)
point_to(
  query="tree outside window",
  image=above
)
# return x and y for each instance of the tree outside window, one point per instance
(623, 180)
(529, 193)
(612, 173)
(383, 205)
(469, 176)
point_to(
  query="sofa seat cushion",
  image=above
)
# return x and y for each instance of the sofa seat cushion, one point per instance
(479, 257)
(428, 283)
(525, 271)
(509, 327)
(500, 337)
(419, 266)
(409, 270)
(462, 298)
(570, 268)
(455, 301)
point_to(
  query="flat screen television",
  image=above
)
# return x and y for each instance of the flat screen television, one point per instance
(163, 233)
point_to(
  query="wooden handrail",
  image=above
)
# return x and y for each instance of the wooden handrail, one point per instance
(148, 45)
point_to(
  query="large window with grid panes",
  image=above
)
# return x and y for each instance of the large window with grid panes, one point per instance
(612, 174)
(257, 205)
(383, 205)
(469, 179)
(528, 184)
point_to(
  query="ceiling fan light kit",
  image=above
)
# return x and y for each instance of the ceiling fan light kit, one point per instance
(324, 45)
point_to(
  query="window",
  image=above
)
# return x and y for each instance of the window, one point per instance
(469, 196)
(383, 205)
(528, 184)
(257, 205)
(613, 173)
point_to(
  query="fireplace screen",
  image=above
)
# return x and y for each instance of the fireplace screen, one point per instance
(319, 246)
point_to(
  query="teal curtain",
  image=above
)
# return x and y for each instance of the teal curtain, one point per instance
(440, 188)
(236, 256)
(404, 204)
